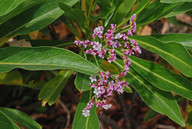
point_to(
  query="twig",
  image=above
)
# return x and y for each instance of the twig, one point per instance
(68, 113)
(134, 97)
(101, 125)
(104, 119)
(125, 112)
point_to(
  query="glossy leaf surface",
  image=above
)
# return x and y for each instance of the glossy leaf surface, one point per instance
(15, 10)
(34, 18)
(82, 82)
(184, 39)
(122, 11)
(175, 1)
(8, 5)
(81, 122)
(44, 58)
(187, 6)
(173, 53)
(51, 91)
(160, 101)
(161, 78)
(154, 11)
(21, 118)
(136, 11)
(6, 123)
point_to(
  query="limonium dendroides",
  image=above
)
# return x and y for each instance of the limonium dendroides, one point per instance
(104, 46)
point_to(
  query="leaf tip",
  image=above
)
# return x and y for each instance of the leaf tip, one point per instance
(44, 103)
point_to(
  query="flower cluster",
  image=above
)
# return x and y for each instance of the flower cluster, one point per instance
(104, 46)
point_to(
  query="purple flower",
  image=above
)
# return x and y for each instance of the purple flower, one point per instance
(86, 113)
(93, 78)
(112, 56)
(104, 45)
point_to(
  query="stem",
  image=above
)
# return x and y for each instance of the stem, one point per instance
(90, 8)
(96, 60)
(85, 55)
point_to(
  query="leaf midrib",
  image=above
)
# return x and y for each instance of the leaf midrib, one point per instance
(159, 76)
(58, 85)
(149, 90)
(28, 23)
(37, 64)
(155, 95)
(86, 124)
(161, 50)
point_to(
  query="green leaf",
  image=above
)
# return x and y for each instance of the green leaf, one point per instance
(81, 122)
(128, 89)
(56, 43)
(161, 78)
(51, 91)
(70, 25)
(122, 11)
(160, 101)
(35, 85)
(184, 39)
(8, 5)
(82, 82)
(15, 10)
(154, 11)
(187, 6)
(44, 58)
(15, 78)
(68, 2)
(175, 1)
(76, 14)
(6, 123)
(150, 115)
(138, 9)
(106, 8)
(11, 78)
(34, 18)
(173, 53)
(109, 66)
(21, 118)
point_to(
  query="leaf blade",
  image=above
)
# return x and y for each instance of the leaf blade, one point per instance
(81, 122)
(154, 11)
(187, 6)
(174, 53)
(162, 78)
(184, 39)
(51, 91)
(82, 82)
(175, 1)
(6, 122)
(24, 5)
(21, 118)
(160, 101)
(44, 58)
